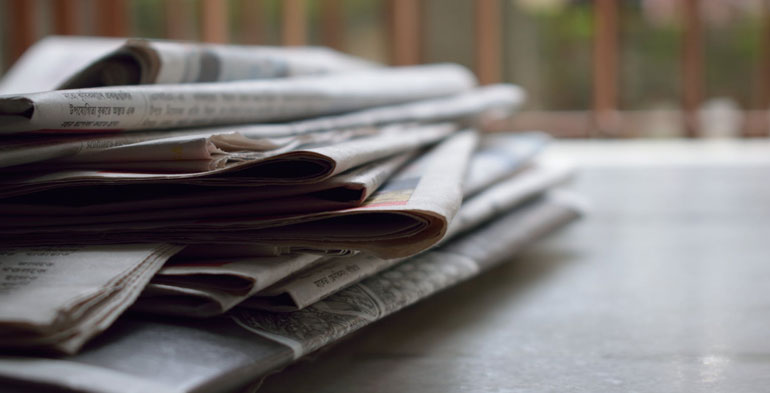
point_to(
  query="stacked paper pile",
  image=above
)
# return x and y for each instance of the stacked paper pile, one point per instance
(281, 197)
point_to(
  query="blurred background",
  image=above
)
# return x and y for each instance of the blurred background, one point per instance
(601, 68)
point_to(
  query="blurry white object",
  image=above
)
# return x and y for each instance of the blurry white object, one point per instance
(720, 118)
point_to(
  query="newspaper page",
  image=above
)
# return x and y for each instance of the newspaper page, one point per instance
(56, 298)
(499, 156)
(199, 282)
(307, 287)
(302, 165)
(208, 287)
(49, 62)
(474, 104)
(143, 61)
(535, 180)
(223, 354)
(406, 215)
(345, 190)
(340, 158)
(207, 104)
(409, 281)
(249, 250)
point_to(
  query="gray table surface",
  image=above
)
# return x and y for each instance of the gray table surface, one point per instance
(663, 287)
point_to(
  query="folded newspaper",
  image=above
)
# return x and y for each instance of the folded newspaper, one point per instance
(346, 211)
(222, 354)
(347, 189)
(329, 276)
(56, 298)
(406, 215)
(145, 107)
(69, 62)
(249, 144)
(142, 61)
(182, 287)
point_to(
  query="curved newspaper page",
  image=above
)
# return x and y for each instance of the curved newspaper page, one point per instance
(208, 287)
(56, 298)
(345, 190)
(134, 146)
(339, 157)
(49, 62)
(535, 180)
(307, 287)
(406, 215)
(499, 156)
(313, 162)
(143, 61)
(220, 355)
(206, 104)
(336, 316)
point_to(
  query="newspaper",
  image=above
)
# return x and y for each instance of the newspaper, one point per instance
(321, 163)
(207, 104)
(187, 153)
(499, 156)
(223, 354)
(406, 215)
(207, 287)
(302, 165)
(307, 287)
(269, 139)
(409, 281)
(496, 100)
(142, 61)
(49, 62)
(345, 190)
(70, 62)
(250, 250)
(56, 298)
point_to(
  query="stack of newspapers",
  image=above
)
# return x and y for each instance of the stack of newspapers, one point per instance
(182, 217)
